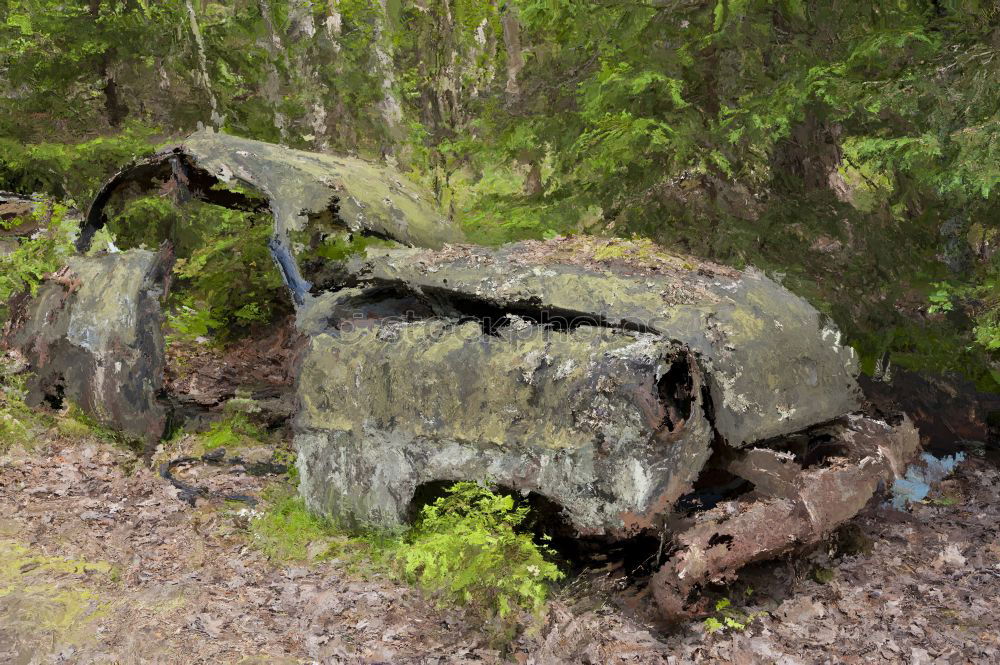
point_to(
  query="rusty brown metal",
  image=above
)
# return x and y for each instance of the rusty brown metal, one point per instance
(790, 508)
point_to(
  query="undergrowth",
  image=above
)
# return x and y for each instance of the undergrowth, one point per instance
(19, 424)
(225, 279)
(233, 431)
(286, 531)
(74, 422)
(71, 170)
(727, 617)
(468, 548)
(38, 254)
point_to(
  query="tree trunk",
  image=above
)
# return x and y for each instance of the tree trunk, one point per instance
(533, 183)
(809, 158)
(304, 55)
(390, 107)
(202, 74)
(512, 42)
(114, 108)
(272, 85)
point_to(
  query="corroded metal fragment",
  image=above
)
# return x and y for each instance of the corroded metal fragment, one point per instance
(544, 367)
(790, 511)
(92, 336)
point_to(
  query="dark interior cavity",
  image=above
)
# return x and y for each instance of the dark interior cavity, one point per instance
(713, 486)
(721, 539)
(55, 394)
(493, 318)
(675, 390)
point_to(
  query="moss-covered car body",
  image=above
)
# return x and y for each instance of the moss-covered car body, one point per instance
(606, 376)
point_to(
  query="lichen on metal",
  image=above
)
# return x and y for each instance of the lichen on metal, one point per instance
(774, 364)
(543, 367)
(92, 336)
(574, 416)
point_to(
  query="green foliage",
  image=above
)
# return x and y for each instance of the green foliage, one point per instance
(941, 298)
(71, 171)
(288, 458)
(231, 250)
(75, 423)
(727, 617)
(233, 431)
(467, 547)
(19, 424)
(285, 530)
(67, 51)
(217, 249)
(190, 324)
(978, 298)
(37, 255)
(987, 331)
(982, 299)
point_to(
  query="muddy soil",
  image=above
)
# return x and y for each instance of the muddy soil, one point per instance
(101, 563)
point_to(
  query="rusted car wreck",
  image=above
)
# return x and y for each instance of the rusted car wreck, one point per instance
(612, 378)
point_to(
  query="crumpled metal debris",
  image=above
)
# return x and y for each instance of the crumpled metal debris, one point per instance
(791, 507)
(300, 189)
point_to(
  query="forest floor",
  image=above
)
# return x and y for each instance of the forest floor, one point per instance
(101, 563)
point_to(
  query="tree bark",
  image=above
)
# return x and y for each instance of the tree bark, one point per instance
(390, 107)
(202, 74)
(114, 108)
(512, 42)
(272, 86)
(811, 155)
(304, 56)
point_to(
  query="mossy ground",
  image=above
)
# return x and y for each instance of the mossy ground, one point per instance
(48, 598)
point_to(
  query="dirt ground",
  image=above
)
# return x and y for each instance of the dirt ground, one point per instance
(101, 563)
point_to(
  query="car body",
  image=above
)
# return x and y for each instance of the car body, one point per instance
(605, 376)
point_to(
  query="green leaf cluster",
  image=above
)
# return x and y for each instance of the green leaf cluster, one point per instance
(469, 547)
(727, 617)
(43, 252)
(232, 249)
(225, 279)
